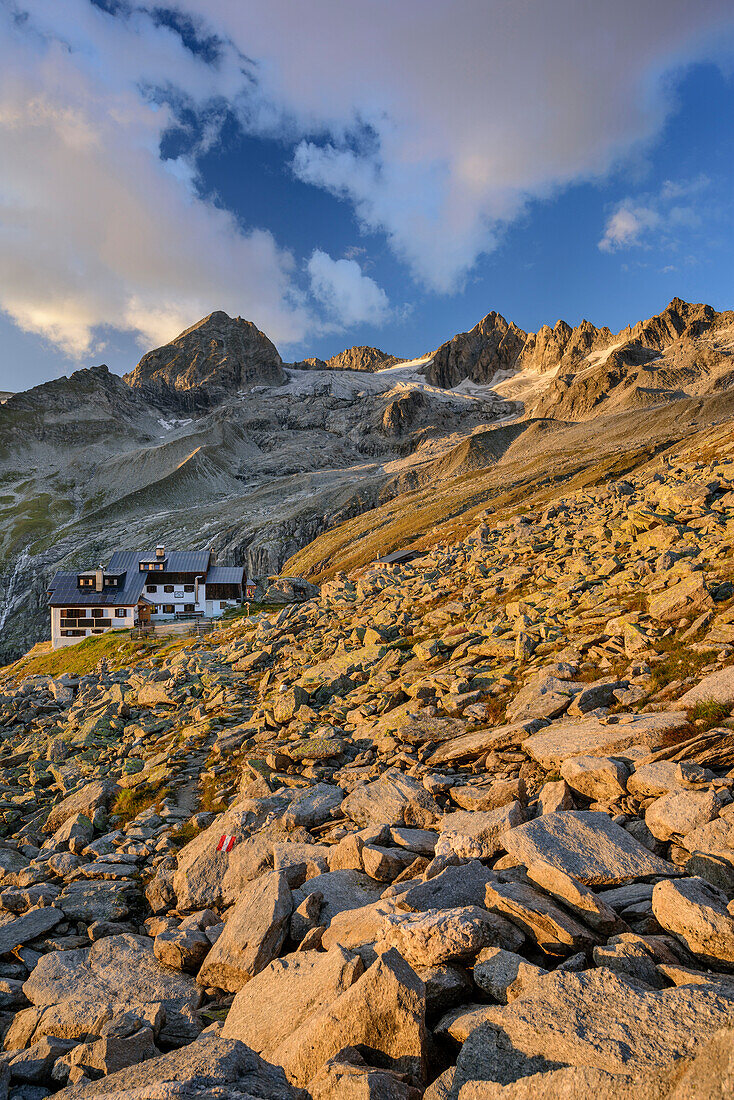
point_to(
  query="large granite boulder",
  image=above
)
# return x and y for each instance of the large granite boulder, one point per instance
(253, 934)
(393, 799)
(71, 990)
(384, 1012)
(587, 845)
(211, 1067)
(87, 800)
(288, 992)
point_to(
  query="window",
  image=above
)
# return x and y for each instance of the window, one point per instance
(111, 582)
(98, 630)
(97, 612)
(151, 588)
(120, 612)
(73, 633)
(168, 588)
(86, 582)
(189, 607)
(168, 609)
(188, 588)
(222, 604)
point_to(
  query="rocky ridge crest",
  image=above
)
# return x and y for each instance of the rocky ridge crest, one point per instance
(360, 357)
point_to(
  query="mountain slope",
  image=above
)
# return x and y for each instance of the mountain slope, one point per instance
(212, 441)
(89, 464)
(544, 461)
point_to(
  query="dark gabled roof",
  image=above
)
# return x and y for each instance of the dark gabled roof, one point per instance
(65, 591)
(225, 574)
(400, 557)
(175, 561)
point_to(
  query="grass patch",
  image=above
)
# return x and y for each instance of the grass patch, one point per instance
(114, 645)
(184, 833)
(131, 802)
(210, 798)
(679, 663)
(709, 712)
(32, 518)
(494, 708)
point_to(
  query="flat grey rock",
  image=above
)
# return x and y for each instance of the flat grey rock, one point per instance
(474, 834)
(89, 798)
(341, 890)
(468, 745)
(459, 885)
(544, 696)
(118, 973)
(554, 930)
(587, 845)
(717, 687)
(596, 1018)
(28, 927)
(393, 799)
(91, 901)
(697, 914)
(314, 805)
(592, 737)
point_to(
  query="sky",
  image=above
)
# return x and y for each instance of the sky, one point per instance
(342, 172)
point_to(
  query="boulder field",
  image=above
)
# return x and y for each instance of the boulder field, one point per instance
(458, 829)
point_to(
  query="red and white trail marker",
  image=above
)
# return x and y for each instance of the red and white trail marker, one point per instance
(226, 843)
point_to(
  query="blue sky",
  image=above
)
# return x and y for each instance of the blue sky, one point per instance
(347, 173)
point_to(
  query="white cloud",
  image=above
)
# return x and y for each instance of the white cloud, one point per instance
(95, 229)
(655, 218)
(627, 225)
(438, 120)
(349, 296)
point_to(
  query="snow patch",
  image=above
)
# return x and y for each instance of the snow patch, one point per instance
(391, 383)
(169, 425)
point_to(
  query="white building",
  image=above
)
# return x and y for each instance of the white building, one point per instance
(138, 587)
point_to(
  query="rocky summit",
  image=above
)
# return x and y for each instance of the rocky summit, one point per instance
(457, 828)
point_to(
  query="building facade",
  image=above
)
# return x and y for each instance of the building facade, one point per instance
(140, 586)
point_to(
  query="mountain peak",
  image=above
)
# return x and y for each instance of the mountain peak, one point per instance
(360, 357)
(218, 353)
